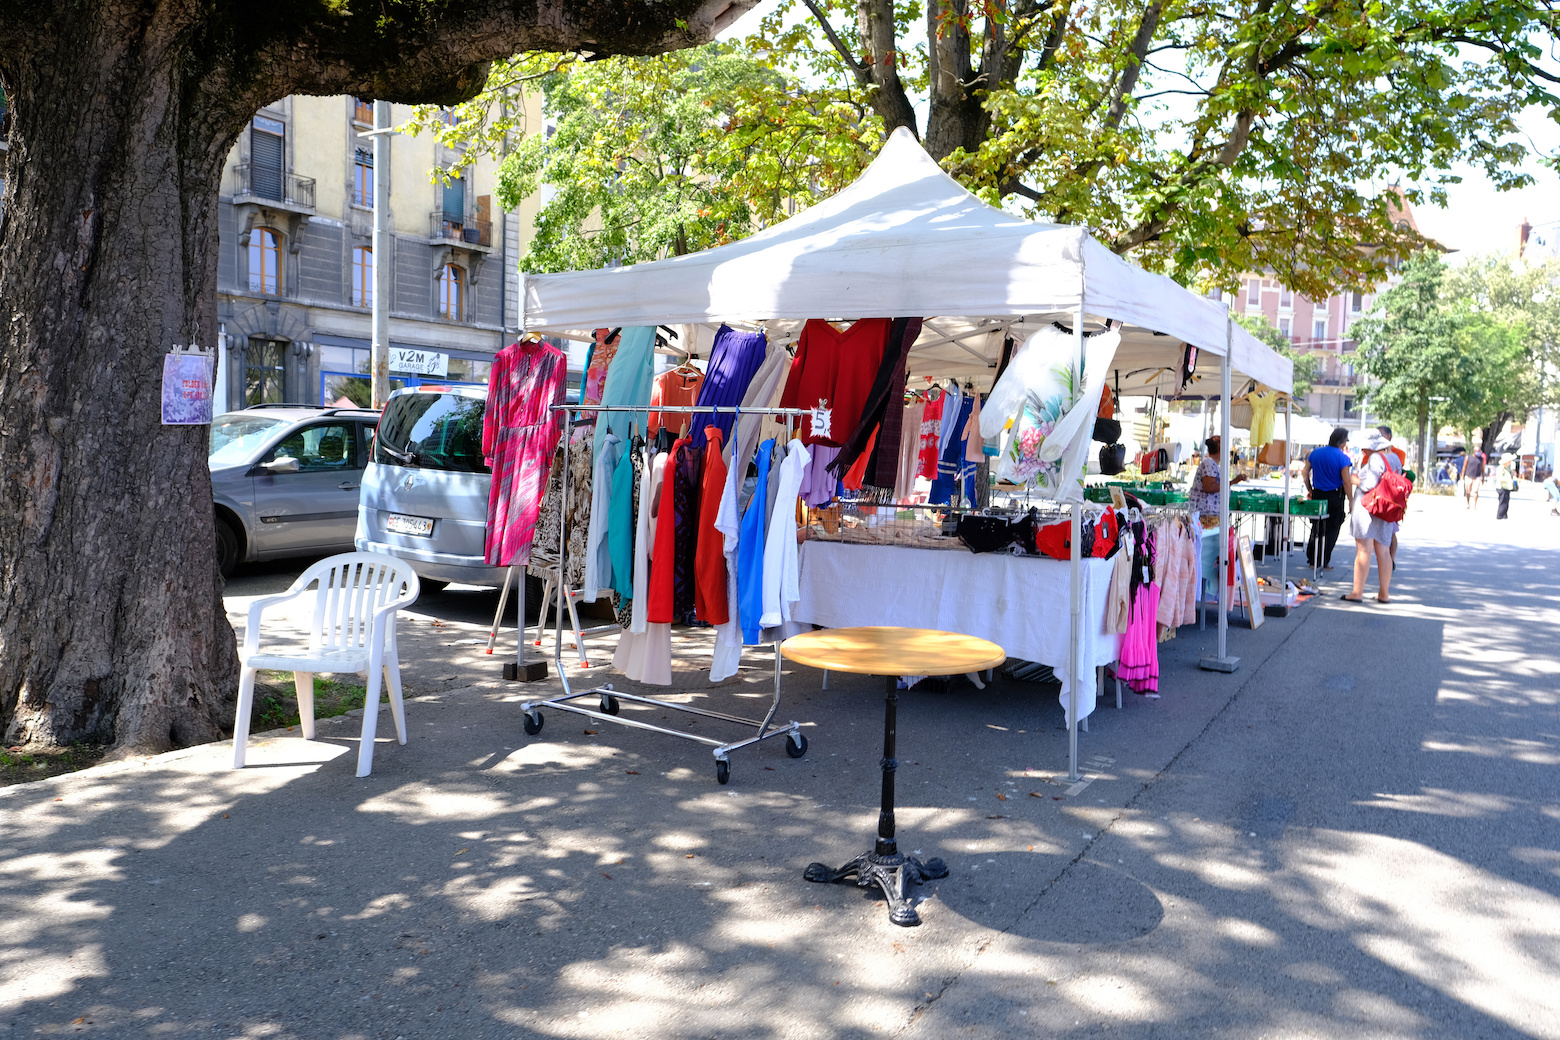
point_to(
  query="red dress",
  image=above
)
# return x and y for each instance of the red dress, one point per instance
(931, 425)
(710, 557)
(519, 435)
(838, 368)
(660, 608)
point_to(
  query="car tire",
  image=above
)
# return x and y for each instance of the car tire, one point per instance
(227, 548)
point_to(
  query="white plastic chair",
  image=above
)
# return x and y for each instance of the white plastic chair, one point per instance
(353, 631)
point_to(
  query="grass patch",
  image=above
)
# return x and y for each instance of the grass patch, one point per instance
(18, 766)
(276, 700)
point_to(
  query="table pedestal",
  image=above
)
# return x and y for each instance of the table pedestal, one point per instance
(885, 866)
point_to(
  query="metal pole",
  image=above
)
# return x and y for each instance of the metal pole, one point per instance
(1075, 577)
(1283, 530)
(381, 253)
(1223, 662)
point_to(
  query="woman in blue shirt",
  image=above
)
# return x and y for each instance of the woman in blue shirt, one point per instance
(1327, 476)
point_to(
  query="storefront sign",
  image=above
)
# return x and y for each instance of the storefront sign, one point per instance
(186, 389)
(420, 362)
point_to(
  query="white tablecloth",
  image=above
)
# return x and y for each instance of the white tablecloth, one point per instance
(1021, 603)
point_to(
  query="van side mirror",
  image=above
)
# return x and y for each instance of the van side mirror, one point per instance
(285, 464)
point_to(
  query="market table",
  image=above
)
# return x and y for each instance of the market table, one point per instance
(889, 652)
(1021, 600)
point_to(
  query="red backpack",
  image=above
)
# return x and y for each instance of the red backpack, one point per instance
(1388, 500)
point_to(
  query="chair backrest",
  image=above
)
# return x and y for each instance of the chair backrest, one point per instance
(351, 587)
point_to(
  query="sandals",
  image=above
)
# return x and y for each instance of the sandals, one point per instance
(1351, 599)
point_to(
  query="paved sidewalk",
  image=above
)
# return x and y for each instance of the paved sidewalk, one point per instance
(1353, 835)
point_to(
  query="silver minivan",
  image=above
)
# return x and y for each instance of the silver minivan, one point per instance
(425, 491)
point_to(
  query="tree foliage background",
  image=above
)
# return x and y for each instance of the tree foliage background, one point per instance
(1206, 139)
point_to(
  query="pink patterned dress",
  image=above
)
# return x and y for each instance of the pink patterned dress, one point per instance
(519, 434)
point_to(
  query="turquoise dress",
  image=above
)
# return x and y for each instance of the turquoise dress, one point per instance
(628, 383)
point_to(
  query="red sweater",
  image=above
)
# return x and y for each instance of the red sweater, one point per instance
(838, 368)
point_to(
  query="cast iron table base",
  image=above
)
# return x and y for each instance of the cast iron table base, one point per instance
(885, 866)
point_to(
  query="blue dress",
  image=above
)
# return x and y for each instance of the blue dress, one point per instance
(952, 468)
(750, 550)
(627, 383)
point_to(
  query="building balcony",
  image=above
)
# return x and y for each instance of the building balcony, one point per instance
(470, 233)
(273, 189)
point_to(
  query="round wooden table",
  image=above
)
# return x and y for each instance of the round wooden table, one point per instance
(889, 652)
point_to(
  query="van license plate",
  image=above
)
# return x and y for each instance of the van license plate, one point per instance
(418, 525)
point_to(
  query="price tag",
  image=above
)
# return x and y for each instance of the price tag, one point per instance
(820, 420)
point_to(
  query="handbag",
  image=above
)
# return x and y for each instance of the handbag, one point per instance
(985, 533)
(1107, 431)
(1113, 459)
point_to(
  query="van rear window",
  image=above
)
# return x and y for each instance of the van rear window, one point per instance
(432, 431)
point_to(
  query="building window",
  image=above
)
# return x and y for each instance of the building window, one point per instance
(362, 276)
(1284, 327)
(363, 179)
(1254, 296)
(363, 111)
(1319, 331)
(1286, 298)
(452, 284)
(265, 262)
(264, 369)
(267, 158)
(1356, 303)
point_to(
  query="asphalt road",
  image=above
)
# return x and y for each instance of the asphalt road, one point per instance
(1355, 834)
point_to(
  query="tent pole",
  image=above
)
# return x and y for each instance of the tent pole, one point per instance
(1283, 530)
(1224, 662)
(1075, 576)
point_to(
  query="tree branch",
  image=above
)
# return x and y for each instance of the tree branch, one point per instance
(844, 52)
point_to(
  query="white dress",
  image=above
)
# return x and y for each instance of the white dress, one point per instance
(782, 583)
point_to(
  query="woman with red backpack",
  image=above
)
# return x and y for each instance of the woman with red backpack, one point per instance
(1374, 515)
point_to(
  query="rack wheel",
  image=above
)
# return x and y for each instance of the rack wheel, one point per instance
(722, 771)
(796, 744)
(533, 722)
(610, 705)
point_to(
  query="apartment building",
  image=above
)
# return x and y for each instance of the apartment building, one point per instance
(295, 272)
(1321, 328)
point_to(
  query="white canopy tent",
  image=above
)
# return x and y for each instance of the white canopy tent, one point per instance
(906, 239)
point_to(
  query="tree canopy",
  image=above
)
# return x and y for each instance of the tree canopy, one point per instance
(1204, 139)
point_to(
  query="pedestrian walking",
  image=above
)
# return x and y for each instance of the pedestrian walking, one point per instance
(1328, 475)
(1372, 535)
(1552, 493)
(1505, 484)
(1386, 431)
(1473, 476)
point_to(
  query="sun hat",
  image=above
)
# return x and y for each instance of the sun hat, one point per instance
(1374, 441)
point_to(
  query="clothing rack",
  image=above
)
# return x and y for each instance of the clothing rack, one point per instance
(610, 699)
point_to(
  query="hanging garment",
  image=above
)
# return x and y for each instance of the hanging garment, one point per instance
(735, 360)
(1118, 600)
(909, 448)
(763, 391)
(819, 486)
(598, 561)
(678, 388)
(750, 550)
(597, 361)
(1052, 413)
(1137, 660)
(1264, 404)
(685, 499)
(663, 557)
(888, 384)
(953, 407)
(954, 472)
(727, 655)
(782, 583)
(835, 369)
(576, 518)
(519, 435)
(974, 440)
(883, 470)
(931, 430)
(627, 383)
(644, 652)
(710, 554)
(856, 476)
(621, 516)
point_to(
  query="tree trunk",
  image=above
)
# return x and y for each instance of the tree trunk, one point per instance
(112, 628)
(1419, 445)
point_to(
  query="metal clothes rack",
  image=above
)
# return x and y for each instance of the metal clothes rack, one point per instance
(609, 699)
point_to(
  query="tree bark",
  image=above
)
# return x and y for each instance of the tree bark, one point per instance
(112, 627)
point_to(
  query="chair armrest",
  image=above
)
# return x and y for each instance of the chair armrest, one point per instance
(260, 606)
